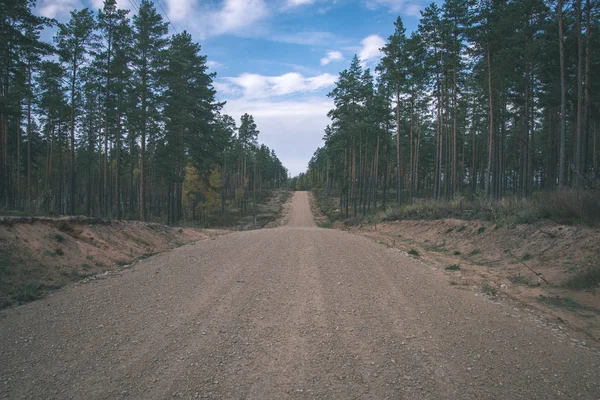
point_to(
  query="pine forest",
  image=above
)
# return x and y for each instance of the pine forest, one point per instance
(485, 100)
(117, 119)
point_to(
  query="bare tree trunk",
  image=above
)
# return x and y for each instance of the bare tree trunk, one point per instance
(563, 97)
(579, 133)
(595, 153)
(489, 180)
(410, 145)
(473, 155)
(118, 166)
(73, 83)
(398, 153)
(454, 158)
(588, 82)
(438, 145)
(385, 172)
(143, 156)
(28, 201)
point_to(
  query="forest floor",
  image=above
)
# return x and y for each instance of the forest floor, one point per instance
(545, 266)
(42, 254)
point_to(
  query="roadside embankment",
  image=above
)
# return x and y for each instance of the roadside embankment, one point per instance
(39, 254)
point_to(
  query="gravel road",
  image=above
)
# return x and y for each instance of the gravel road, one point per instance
(291, 312)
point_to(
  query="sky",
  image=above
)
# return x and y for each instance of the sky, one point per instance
(278, 59)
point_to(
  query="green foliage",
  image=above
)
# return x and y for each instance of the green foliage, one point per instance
(520, 280)
(587, 279)
(489, 288)
(481, 229)
(59, 238)
(474, 252)
(453, 267)
(414, 252)
(565, 302)
(28, 292)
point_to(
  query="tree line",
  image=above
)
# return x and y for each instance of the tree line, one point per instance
(117, 119)
(489, 98)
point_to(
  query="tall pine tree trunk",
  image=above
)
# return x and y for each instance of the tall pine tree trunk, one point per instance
(28, 201)
(398, 152)
(563, 97)
(588, 82)
(579, 133)
(73, 83)
(490, 175)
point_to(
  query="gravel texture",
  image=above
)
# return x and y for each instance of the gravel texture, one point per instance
(290, 312)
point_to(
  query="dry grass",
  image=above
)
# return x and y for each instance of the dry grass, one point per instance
(564, 206)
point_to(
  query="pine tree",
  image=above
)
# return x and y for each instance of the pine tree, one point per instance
(149, 42)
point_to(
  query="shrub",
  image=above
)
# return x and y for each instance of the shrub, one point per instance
(414, 252)
(526, 257)
(453, 267)
(28, 292)
(564, 302)
(519, 280)
(489, 289)
(474, 252)
(568, 206)
(588, 279)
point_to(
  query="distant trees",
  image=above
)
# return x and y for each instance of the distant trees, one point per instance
(492, 98)
(124, 122)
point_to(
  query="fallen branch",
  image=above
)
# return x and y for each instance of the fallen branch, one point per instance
(539, 275)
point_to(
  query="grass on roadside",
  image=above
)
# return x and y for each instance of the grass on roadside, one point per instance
(566, 303)
(588, 279)
(565, 207)
(414, 252)
(490, 289)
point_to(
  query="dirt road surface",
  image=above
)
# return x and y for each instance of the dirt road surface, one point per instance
(293, 312)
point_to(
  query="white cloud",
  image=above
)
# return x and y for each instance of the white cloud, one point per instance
(370, 48)
(413, 10)
(236, 15)
(57, 8)
(306, 37)
(214, 64)
(180, 9)
(123, 4)
(404, 7)
(296, 3)
(294, 128)
(332, 56)
(391, 5)
(291, 125)
(260, 86)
